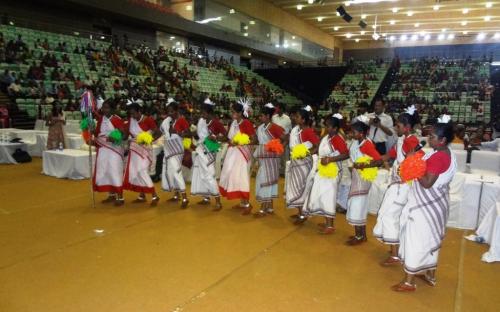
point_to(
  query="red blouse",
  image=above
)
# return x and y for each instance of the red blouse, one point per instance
(146, 123)
(181, 125)
(339, 144)
(116, 121)
(246, 127)
(275, 131)
(368, 148)
(409, 144)
(308, 134)
(438, 163)
(216, 127)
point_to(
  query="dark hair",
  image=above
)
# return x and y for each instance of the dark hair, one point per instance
(174, 106)
(379, 99)
(360, 127)
(444, 130)
(305, 115)
(363, 104)
(134, 106)
(407, 119)
(268, 111)
(237, 107)
(110, 103)
(333, 121)
(207, 108)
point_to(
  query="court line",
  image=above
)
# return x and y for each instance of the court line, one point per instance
(460, 274)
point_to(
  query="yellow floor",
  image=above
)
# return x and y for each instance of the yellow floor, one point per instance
(168, 259)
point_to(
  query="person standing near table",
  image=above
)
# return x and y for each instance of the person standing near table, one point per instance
(55, 121)
(380, 126)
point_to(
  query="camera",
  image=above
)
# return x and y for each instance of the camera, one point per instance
(376, 120)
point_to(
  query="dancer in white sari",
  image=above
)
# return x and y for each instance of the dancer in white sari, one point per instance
(387, 228)
(322, 199)
(173, 128)
(204, 182)
(357, 210)
(140, 157)
(266, 182)
(108, 170)
(301, 171)
(424, 217)
(234, 180)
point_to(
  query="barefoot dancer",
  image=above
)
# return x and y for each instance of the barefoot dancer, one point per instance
(322, 199)
(387, 228)
(266, 182)
(235, 175)
(174, 127)
(300, 171)
(423, 220)
(140, 157)
(204, 182)
(108, 170)
(357, 210)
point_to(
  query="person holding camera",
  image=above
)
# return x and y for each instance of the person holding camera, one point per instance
(380, 126)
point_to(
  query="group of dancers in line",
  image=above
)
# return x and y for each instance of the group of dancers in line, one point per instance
(411, 219)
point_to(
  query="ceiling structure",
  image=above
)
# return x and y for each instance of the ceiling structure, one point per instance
(401, 20)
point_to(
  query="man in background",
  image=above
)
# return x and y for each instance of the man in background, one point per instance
(380, 126)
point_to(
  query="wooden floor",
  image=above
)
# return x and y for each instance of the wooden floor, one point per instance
(53, 258)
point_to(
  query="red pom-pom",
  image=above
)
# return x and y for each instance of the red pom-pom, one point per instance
(275, 146)
(86, 136)
(413, 167)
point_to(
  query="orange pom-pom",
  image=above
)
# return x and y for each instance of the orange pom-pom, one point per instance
(86, 136)
(275, 146)
(413, 167)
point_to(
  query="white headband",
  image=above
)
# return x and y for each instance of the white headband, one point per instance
(308, 108)
(99, 102)
(338, 116)
(444, 118)
(169, 101)
(411, 110)
(129, 102)
(245, 102)
(209, 102)
(269, 105)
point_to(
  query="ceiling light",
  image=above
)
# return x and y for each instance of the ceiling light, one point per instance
(374, 26)
(384, 35)
(232, 11)
(403, 37)
(252, 22)
(268, 35)
(451, 36)
(363, 32)
(347, 3)
(488, 5)
(293, 37)
(293, 44)
(465, 32)
(357, 39)
(249, 54)
(422, 33)
(392, 38)
(299, 7)
(178, 43)
(481, 36)
(465, 11)
(440, 37)
(392, 22)
(285, 46)
(348, 35)
(496, 36)
(336, 28)
(427, 37)
(443, 30)
(463, 23)
(487, 18)
(417, 25)
(310, 1)
(414, 37)
(245, 34)
(375, 36)
(189, 7)
(395, 10)
(172, 37)
(211, 19)
(246, 27)
(363, 16)
(338, 14)
(435, 7)
(277, 46)
(410, 13)
(320, 18)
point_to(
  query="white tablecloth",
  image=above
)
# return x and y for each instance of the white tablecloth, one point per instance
(69, 163)
(73, 141)
(485, 162)
(7, 149)
(489, 232)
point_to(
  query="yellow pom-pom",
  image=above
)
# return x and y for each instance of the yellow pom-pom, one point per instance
(367, 174)
(300, 151)
(241, 139)
(329, 171)
(187, 143)
(144, 138)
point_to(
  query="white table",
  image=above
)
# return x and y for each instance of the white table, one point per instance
(485, 162)
(69, 163)
(73, 141)
(7, 149)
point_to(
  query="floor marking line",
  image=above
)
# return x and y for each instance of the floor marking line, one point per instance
(460, 274)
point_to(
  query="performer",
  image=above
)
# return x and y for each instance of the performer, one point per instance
(424, 217)
(235, 175)
(204, 182)
(357, 210)
(322, 199)
(108, 170)
(174, 127)
(387, 228)
(140, 157)
(300, 171)
(266, 182)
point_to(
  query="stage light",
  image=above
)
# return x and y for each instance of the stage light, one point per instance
(440, 37)
(232, 11)
(427, 37)
(348, 35)
(410, 13)
(336, 28)
(392, 22)
(362, 32)
(363, 16)
(395, 10)
(252, 22)
(414, 37)
(417, 25)
(299, 7)
(451, 36)
(488, 5)
(463, 23)
(487, 18)
(375, 36)
(465, 32)
(481, 36)
(320, 18)
(392, 38)
(496, 36)
(465, 11)
(435, 7)
(357, 40)
(310, 1)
